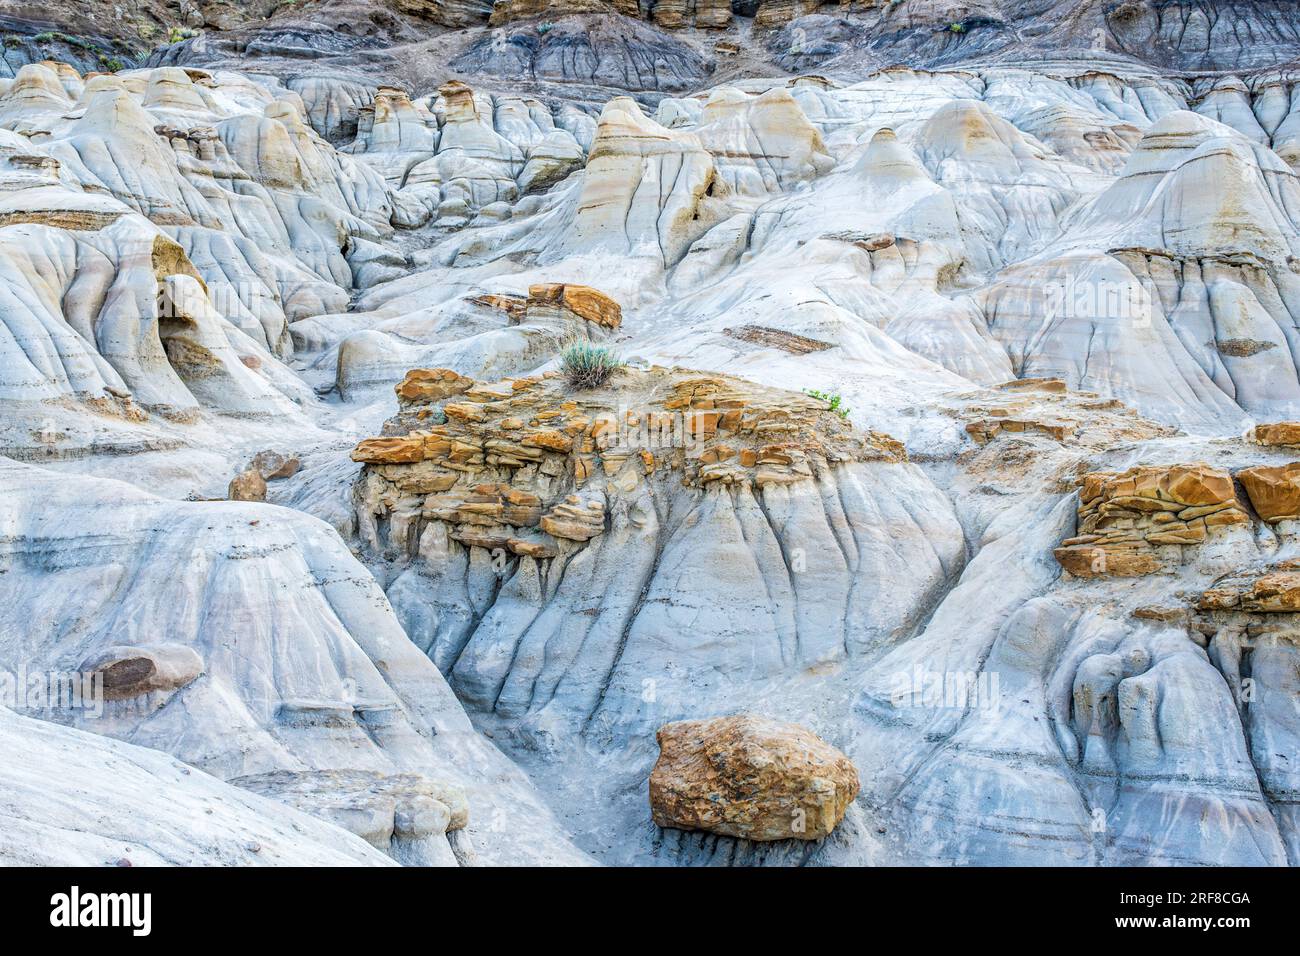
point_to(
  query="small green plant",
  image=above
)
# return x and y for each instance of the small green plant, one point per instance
(44, 38)
(833, 400)
(177, 34)
(957, 27)
(111, 63)
(11, 40)
(588, 366)
(545, 28)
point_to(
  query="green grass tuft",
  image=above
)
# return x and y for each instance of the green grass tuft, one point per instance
(588, 366)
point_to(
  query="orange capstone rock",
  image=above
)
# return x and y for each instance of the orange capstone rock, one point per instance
(1275, 492)
(582, 300)
(1125, 517)
(1277, 433)
(1276, 590)
(402, 450)
(424, 385)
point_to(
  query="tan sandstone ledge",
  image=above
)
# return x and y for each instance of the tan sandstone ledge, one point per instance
(1277, 433)
(560, 299)
(1045, 407)
(1124, 518)
(1272, 590)
(520, 463)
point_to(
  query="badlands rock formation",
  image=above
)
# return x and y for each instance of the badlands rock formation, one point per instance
(557, 553)
(958, 428)
(1124, 520)
(74, 799)
(750, 778)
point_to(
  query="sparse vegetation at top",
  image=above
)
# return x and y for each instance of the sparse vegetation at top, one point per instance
(833, 400)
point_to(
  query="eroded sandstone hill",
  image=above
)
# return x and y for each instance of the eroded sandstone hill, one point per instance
(665, 515)
(956, 432)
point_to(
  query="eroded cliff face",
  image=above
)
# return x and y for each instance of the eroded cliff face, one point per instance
(557, 555)
(957, 435)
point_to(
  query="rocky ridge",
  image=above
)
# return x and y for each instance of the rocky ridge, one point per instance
(557, 491)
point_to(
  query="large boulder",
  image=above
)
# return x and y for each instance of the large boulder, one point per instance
(1275, 492)
(1277, 433)
(248, 485)
(750, 777)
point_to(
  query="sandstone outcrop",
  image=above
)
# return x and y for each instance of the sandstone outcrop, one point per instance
(1273, 491)
(1125, 518)
(557, 301)
(581, 301)
(749, 777)
(499, 466)
(1277, 433)
(642, 489)
(1046, 407)
(248, 485)
(1004, 418)
(1275, 590)
(128, 672)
